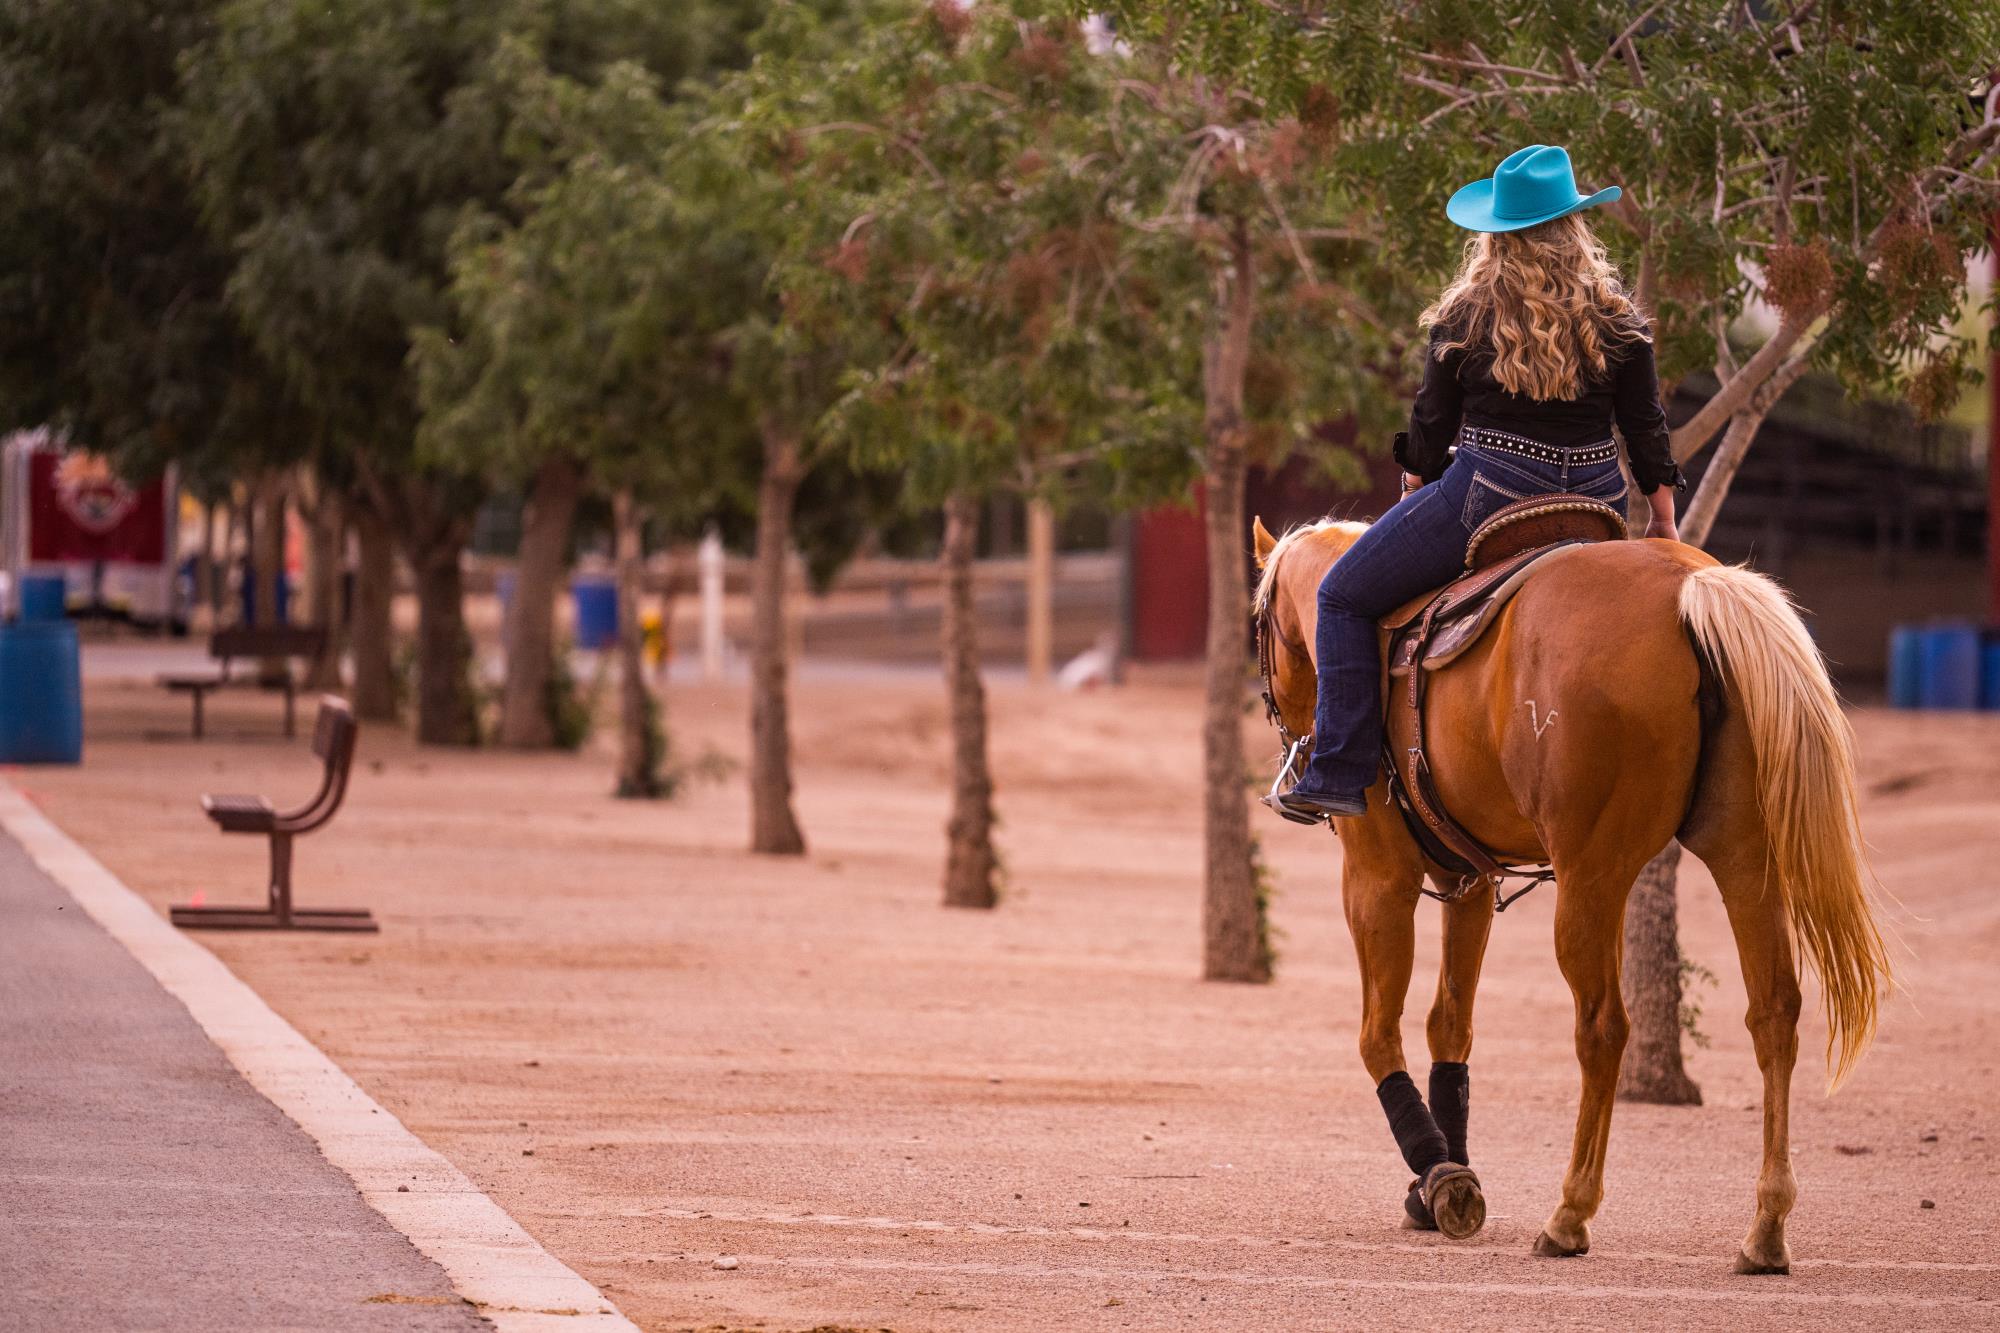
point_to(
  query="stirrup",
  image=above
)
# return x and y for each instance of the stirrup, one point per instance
(1296, 816)
(1290, 769)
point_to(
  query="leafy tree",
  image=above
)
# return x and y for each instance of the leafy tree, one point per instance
(740, 172)
(334, 148)
(975, 237)
(113, 319)
(621, 306)
(516, 394)
(1265, 310)
(588, 325)
(1835, 164)
(338, 149)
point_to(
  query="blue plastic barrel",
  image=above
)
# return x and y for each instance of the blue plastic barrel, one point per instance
(42, 596)
(1948, 664)
(41, 693)
(1906, 666)
(596, 612)
(1989, 672)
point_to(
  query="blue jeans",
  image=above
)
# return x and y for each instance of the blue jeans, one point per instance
(1415, 547)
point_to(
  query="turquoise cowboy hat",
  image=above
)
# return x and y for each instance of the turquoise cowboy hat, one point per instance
(1532, 186)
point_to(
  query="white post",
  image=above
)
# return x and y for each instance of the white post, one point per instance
(1041, 589)
(708, 564)
(13, 521)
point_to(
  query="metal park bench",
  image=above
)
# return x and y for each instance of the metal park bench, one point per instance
(333, 744)
(229, 645)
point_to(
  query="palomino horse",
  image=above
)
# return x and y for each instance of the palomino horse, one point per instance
(1571, 734)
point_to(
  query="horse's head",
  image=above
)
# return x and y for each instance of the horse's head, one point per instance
(1287, 607)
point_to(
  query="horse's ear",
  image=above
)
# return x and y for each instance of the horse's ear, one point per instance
(1265, 542)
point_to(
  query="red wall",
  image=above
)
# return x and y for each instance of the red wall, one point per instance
(1170, 568)
(1169, 583)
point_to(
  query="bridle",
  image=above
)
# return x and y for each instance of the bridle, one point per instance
(1297, 748)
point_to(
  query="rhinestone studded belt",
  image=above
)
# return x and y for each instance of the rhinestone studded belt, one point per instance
(1500, 441)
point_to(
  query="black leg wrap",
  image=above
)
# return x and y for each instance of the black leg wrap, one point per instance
(1416, 1133)
(1451, 1102)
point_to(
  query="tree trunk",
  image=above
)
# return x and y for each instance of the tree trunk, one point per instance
(325, 574)
(1653, 983)
(370, 628)
(266, 543)
(1236, 942)
(530, 629)
(447, 711)
(267, 565)
(233, 519)
(205, 569)
(773, 826)
(971, 868)
(640, 731)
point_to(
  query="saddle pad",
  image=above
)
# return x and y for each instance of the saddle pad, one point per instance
(1477, 602)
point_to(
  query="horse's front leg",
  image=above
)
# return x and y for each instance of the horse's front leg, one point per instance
(1590, 913)
(1381, 915)
(1467, 923)
(1381, 895)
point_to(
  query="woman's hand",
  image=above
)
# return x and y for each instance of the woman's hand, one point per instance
(1661, 501)
(1412, 483)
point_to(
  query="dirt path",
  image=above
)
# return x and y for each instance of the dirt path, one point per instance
(654, 1049)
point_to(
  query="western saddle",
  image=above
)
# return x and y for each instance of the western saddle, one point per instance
(1430, 632)
(1437, 628)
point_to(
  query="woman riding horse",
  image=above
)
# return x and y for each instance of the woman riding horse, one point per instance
(1629, 693)
(1535, 349)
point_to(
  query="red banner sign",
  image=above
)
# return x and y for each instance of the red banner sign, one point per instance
(79, 509)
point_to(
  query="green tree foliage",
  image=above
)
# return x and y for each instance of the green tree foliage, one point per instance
(113, 322)
(338, 149)
(1831, 161)
(1269, 306)
(944, 145)
(552, 374)
(619, 307)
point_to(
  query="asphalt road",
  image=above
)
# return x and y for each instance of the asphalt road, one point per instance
(143, 1183)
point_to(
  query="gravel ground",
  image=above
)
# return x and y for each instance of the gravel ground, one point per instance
(656, 1050)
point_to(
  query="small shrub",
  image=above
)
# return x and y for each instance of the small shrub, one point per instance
(563, 703)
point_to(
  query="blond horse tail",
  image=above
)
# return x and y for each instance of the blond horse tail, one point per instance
(1805, 788)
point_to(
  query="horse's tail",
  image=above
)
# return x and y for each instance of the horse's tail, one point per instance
(1805, 788)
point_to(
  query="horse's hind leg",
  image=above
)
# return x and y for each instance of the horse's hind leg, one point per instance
(1732, 841)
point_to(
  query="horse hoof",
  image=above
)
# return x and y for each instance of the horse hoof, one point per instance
(1548, 1248)
(1455, 1200)
(1752, 1268)
(1416, 1213)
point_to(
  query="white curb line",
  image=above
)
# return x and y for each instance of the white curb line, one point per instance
(515, 1283)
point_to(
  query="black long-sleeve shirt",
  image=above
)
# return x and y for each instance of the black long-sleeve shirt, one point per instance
(1459, 388)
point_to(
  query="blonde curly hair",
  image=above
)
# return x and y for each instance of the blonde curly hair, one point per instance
(1545, 301)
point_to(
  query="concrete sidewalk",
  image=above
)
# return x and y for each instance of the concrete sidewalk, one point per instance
(143, 1183)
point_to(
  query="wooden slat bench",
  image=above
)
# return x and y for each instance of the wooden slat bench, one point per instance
(333, 743)
(229, 646)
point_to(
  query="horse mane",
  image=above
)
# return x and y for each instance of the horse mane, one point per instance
(1267, 581)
